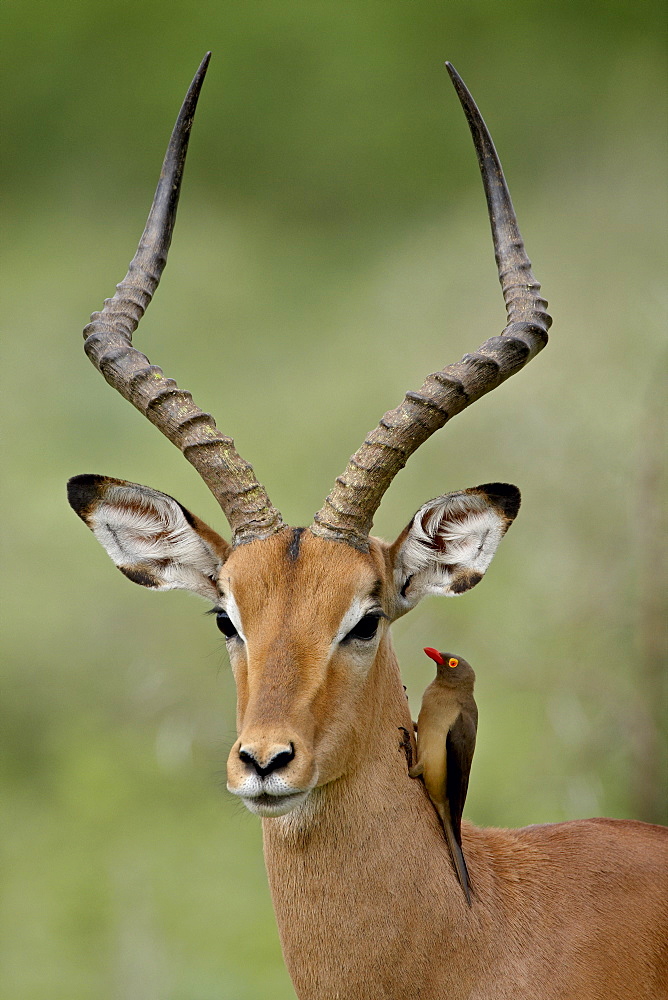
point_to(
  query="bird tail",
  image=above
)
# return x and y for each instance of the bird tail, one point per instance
(457, 854)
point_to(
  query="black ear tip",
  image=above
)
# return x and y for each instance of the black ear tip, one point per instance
(82, 490)
(505, 496)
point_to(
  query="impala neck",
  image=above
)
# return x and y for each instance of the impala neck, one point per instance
(361, 845)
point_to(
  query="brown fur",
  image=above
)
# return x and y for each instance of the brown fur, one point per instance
(366, 899)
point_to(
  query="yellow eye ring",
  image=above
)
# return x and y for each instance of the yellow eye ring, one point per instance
(453, 662)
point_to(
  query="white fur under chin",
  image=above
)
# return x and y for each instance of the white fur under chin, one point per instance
(303, 814)
(257, 793)
(282, 807)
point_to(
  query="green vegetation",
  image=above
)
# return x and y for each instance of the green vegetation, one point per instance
(332, 248)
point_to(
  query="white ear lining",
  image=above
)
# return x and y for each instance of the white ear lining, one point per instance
(449, 545)
(155, 530)
(148, 537)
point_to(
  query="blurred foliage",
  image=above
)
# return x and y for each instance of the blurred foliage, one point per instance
(331, 249)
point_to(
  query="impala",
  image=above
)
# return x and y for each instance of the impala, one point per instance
(367, 901)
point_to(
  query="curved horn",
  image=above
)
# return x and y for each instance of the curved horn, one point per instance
(347, 513)
(109, 346)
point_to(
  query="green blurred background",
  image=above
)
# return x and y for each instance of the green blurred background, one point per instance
(332, 248)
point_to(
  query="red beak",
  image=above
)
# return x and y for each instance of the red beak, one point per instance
(434, 654)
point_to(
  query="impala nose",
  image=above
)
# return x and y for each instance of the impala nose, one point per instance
(279, 757)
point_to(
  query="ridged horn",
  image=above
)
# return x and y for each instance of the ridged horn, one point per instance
(109, 346)
(347, 513)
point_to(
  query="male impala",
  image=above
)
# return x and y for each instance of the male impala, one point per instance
(367, 901)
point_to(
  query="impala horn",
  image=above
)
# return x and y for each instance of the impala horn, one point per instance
(347, 513)
(109, 346)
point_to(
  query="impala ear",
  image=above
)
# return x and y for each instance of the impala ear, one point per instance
(450, 542)
(153, 540)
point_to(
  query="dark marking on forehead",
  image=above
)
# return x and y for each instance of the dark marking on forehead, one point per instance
(377, 590)
(295, 542)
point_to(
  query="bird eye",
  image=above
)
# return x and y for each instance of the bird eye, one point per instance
(224, 623)
(365, 629)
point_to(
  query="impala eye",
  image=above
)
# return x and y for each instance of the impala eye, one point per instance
(224, 623)
(365, 629)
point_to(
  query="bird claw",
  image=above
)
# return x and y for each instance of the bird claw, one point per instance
(406, 745)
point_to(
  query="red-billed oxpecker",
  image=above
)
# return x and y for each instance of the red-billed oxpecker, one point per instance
(447, 726)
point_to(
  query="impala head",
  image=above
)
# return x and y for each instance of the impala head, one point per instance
(305, 611)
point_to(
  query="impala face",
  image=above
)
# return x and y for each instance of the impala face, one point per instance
(304, 629)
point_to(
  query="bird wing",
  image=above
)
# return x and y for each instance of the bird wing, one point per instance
(459, 747)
